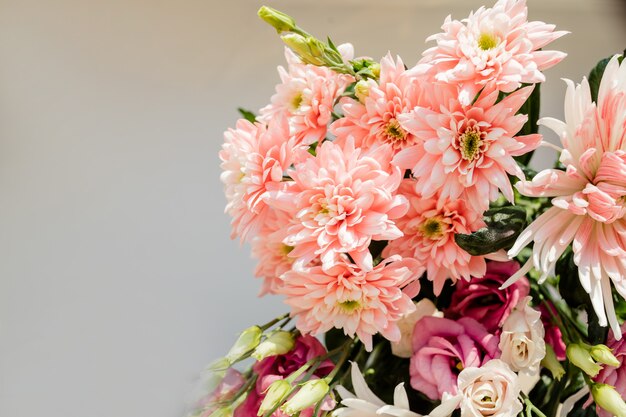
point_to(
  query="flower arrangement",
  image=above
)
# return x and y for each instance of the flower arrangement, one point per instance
(429, 271)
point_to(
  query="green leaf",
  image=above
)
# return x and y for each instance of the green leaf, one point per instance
(569, 284)
(247, 114)
(595, 76)
(335, 338)
(504, 224)
(531, 108)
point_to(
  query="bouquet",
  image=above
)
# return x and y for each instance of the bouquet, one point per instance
(429, 271)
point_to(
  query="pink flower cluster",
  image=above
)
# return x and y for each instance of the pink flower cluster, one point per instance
(470, 334)
(349, 189)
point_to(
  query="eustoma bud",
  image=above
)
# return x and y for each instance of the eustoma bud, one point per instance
(310, 393)
(604, 355)
(362, 90)
(309, 49)
(277, 343)
(275, 394)
(222, 412)
(580, 356)
(607, 398)
(279, 20)
(552, 363)
(248, 340)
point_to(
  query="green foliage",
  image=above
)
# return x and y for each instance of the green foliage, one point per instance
(504, 224)
(595, 76)
(247, 114)
(569, 284)
(531, 108)
(383, 372)
(366, 68)
(335, 338)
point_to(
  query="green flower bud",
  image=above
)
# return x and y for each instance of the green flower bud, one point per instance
(309, 49)
(279, 20)
(247, 341)
(220, 364)
(375, 68)
(277, 343)
(310, 393)
(609, 399)
(362, 90)
(274, 395)
(602, 354)
(222, 412)
(552, 363)
(579, 355)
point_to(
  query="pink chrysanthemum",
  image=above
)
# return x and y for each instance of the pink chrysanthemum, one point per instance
(373, 120)
(347, 297)
(254, 158)
(589, 204)
(273, 255)
(429, 228)
(343, 199)
(466, 150)
(306, 96)
(495, 47)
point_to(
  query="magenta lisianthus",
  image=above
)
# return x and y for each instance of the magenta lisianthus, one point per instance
(482, 299)
(442, 348)
(274, 368)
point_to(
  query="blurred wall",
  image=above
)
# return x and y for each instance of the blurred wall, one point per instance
(118, 280)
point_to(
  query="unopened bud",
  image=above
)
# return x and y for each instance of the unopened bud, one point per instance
(309, 49)
(221, 412)
(609, 399)
(551, 362)
(247, 341)
(274, 396)
(375, 68)
(580, 356)
(310, 393)
(220, 364)
(362, 90)
(602, 354)
(277, 343)
(279, 20)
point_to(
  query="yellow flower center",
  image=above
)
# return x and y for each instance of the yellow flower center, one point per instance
(432, 228)
(350, 305)
(470, 143)
(487, 41)
(286, 249)
(296, 102)
(394, 132)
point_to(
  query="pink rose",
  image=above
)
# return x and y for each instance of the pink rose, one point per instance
(614, 376)
(442, 348)
(278, 367)
(482, 299)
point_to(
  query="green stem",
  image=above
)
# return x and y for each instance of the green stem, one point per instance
(530, 407)
(347, 347)
(273, 322)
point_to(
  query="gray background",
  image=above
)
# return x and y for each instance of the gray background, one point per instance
(118, 281)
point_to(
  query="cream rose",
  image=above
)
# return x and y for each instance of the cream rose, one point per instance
(522, 339)
(404, 347)
(491, 390)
